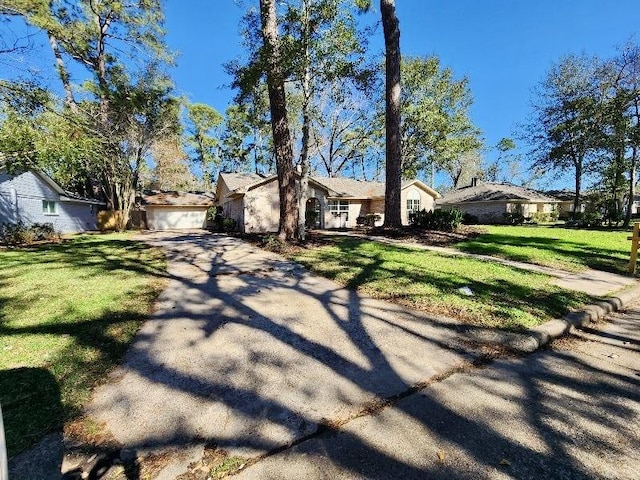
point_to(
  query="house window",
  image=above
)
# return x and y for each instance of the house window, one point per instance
(49, 207)
(413, 201)
(338, 207)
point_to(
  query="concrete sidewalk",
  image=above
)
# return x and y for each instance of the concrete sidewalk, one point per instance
(592, 282)
(569, 413)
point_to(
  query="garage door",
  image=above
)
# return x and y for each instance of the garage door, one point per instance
(173, 218)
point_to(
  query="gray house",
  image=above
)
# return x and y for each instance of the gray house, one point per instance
(33, 197)
(252, 200)
(489, 202)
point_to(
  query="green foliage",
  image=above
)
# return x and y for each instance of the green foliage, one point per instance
(469, 219)
(203, 123)
(544, 217)
(436, 127)
(228, 224)
(273, 244)
(16, 234)
(440, 220)
(516, 215)
(368, 220)
(125, 102)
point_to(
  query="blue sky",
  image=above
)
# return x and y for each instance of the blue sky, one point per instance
(504, 47)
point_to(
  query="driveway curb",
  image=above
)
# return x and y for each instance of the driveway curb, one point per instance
(541, 335)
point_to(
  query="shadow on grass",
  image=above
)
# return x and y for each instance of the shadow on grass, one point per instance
(96, 341)
(557, 251)
(501, 299)
(31, 405)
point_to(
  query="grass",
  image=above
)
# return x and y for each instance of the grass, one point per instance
(67, 314)
(565, 248)
(503, 297)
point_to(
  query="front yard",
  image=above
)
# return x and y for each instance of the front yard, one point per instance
(565, 248)
(68, 312)
(503, 297)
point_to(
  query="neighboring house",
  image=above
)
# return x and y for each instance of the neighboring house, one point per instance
(253, 202)
(33, 197)
(176, 210)
(489, 202)
(565, 202)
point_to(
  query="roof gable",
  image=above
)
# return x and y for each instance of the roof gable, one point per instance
(421, 185)
(64, 195)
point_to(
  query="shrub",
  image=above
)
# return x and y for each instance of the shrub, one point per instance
(441, 220)
(469, 219)
(544, 217)
(21, 234)
(228, 224)
(515, 216)
(273, 244)
(368, 220)
(585, 219)
(45, 231)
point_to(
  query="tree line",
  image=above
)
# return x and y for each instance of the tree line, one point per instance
(586, 120)
(119, 125)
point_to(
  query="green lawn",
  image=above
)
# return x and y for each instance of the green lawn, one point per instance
(67, 314)
(565, 248)
(503, 297)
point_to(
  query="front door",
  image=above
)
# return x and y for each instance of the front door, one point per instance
(313, 214)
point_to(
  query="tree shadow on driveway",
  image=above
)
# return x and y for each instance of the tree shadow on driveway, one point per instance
(252, 353)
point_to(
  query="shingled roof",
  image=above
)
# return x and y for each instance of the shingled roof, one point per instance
(494, 192)
(177, 199)
(336, 186)
(235, 181)
(563, 195)
(349, 187)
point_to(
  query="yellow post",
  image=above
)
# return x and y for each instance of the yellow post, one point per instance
(635, 239)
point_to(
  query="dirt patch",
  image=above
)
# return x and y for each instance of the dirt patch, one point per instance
(214, 464)
(409, 235)
(429, 237)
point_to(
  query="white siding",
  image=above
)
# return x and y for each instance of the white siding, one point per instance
(426, 202)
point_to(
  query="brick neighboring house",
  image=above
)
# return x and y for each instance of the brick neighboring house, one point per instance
(252, 200)
(489, 202)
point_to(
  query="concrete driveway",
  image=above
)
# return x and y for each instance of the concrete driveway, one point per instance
(251, 352)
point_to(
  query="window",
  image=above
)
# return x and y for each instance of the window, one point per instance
(413, 201)
(49, 207)
(338, 207)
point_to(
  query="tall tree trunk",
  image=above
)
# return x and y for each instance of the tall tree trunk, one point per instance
(303, 194)
(392, 217)
(632, 185)
(634, 163)
(279, 121)
(576, 199)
